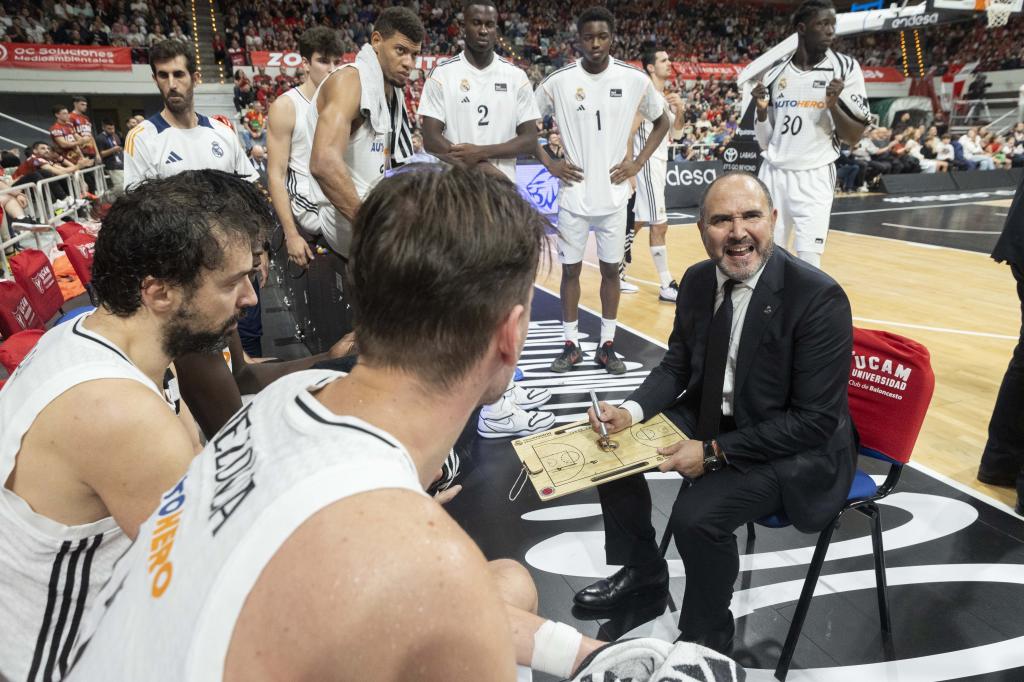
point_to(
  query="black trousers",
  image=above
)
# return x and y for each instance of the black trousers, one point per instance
(1004, 451)
(704, 519)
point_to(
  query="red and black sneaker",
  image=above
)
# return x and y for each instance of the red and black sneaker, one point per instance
(571, 355)
(606, 357)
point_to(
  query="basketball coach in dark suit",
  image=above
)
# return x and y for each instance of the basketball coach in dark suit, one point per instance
(756, 370)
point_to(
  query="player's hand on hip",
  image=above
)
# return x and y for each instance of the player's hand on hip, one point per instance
(833, 90)
(624, 170)
(615, 418)
(760, 95)
(686, 457)
(566, 171)
(298, 250)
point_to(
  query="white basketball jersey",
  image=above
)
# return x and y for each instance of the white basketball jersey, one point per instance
(660, 154)
(298, 160)
(155, 149)
(480, 106)
(366, 160)
(170, 608)
(803, 133)
(50, 573)
(595, 117)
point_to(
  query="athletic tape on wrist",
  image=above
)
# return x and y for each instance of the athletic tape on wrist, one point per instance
(555, 647)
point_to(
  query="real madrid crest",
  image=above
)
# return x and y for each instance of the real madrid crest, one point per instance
(580, 95)
(782, 84)
(464, 85)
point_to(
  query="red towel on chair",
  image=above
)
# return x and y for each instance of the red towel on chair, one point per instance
(891, 385)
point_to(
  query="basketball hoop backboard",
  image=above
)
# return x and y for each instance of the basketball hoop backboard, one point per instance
(967, 5)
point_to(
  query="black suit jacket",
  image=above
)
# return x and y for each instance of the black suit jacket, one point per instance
(792, 373)
(1010, 247)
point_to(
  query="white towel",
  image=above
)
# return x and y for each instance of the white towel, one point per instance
(373, 104)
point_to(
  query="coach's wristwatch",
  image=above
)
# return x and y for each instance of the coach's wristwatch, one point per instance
(713, 461)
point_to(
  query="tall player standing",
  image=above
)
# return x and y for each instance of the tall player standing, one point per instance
(594, 100)
(478, 110)
(806, 105)
(650, 181)
(288, 144)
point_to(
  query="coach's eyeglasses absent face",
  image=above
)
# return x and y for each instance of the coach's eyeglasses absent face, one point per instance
(481, 27)
(595, 42)
(819, 31)
(176, 84)
(397, 55)
(737, 224)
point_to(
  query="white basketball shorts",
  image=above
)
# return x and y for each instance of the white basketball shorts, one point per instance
(804, 201)
(650, 193)
(609, 230)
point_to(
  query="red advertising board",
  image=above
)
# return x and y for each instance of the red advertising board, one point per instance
(65, 57)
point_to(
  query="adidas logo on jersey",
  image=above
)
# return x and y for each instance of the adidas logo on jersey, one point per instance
(581, 108)
(465, 100)
(172, 158)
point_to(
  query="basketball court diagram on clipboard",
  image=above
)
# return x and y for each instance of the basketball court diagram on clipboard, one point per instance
(570, 458)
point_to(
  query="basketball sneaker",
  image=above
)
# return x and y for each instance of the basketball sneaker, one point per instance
(571, 355)
(505, 419)
(627, 287)
(528, 398)
(669, 293)
(606, 357)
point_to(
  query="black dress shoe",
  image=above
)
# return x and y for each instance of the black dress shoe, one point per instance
(627, 582)
(720, 639)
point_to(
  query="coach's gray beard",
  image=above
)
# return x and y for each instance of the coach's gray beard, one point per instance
(744, 274)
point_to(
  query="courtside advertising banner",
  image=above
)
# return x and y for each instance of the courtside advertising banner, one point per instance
(65, 57)
(289, 60)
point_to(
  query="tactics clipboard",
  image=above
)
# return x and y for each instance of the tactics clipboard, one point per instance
(568, 459)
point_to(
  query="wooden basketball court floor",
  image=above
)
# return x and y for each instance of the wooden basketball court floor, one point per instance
(915, 265)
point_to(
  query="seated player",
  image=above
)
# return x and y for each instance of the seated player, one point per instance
(88, 437)
(300, 543)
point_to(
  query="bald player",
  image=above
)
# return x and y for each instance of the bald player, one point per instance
(300, 544)
(288, 144)
(89, 438)
(359, 123)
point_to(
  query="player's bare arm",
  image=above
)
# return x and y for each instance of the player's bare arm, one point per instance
(434, 594)
(563, 169)
(108, 447)
(848, 129)
(628, 168)
(760, 95)
(524, 143)
(338, 107)
(281, 119)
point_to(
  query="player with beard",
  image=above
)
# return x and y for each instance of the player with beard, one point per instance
(288, 144)
(88, 437)
(178, 138)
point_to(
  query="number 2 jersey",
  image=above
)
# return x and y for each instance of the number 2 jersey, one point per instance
(595, 114)
(479, 106)
(170, 607)
(800, 133)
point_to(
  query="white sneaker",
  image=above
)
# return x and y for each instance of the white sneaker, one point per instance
(528, 398)
(863, 188)
(505, 419)
(627, 287)
(669, 293)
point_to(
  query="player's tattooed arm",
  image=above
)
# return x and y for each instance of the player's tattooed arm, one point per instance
(848, 129)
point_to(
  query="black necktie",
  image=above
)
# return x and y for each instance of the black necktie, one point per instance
(715, 358)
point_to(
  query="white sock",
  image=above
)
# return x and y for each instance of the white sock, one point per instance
(572, 331)
(607, 330)
(555, 647)
(659, 254)
(810, 257)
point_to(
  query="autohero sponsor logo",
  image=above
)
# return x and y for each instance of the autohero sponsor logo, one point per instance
(876, 374)
(689, 177)
(234, 465)
(160, 566)
(783, 103)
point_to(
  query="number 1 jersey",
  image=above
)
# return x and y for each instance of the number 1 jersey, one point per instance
(595, 115)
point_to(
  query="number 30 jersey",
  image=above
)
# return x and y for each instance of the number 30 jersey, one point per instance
(595, 114)
(479, 106)
(800, 131)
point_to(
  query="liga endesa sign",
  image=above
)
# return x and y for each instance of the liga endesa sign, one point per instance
(65, 57)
